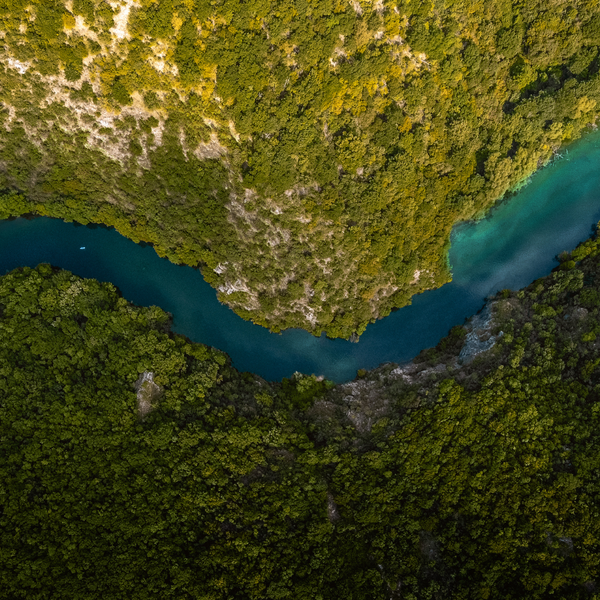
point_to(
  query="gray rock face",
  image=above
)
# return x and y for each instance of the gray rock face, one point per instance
(148, 393)
(414, 373)
(364, 402)
(365, 405)
(479, 336)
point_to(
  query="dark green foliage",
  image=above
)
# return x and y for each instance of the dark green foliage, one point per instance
(201, 482)
(85, 8)
(204, 492)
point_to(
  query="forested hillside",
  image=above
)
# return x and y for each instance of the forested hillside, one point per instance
(311, 157)
(135, 464)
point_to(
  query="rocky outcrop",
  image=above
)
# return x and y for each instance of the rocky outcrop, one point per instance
(148, 393)
(479, 335)
(364, 403)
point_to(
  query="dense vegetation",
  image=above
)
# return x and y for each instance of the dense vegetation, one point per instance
(311, 157)
(135, 464)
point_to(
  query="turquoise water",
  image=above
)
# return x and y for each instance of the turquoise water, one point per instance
(516, 244)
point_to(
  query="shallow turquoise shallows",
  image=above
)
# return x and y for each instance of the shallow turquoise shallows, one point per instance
(517, 243)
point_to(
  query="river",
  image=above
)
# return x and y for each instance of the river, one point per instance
(514, 245)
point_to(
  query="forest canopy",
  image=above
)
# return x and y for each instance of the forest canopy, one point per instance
(135, 464)
(310, 157)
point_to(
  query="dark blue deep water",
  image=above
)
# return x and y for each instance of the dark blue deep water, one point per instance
(514, 245)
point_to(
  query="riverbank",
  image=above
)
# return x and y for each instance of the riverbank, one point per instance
(123, 440)
(516, 244)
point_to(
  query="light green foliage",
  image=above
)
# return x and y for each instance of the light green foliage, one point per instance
(316, 154)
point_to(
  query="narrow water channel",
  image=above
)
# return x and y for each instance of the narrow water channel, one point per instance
(514, 245)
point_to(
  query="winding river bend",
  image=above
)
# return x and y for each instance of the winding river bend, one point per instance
(514, 245)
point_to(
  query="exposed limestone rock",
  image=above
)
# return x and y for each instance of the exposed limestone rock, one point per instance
(413, 373)
(21, 67)
(230, 288)
(479, 337)
(148, 394)
(121, 20)
(365, 405)
(212, 149)
(332, 510)
(365, 400)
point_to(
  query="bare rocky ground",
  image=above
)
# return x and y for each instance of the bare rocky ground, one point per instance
(148, 394)
(367, 400)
